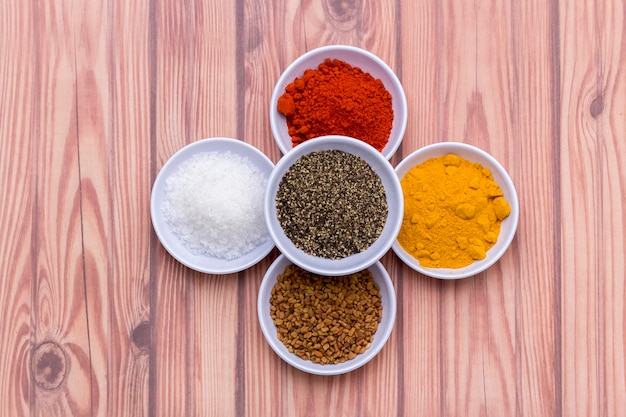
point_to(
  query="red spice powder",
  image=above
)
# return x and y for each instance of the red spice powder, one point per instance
(337, 99)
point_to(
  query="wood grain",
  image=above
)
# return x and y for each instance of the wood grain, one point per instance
(99, 320)
(127, 85)
(18, 131)
(593, 230)
(535, 148)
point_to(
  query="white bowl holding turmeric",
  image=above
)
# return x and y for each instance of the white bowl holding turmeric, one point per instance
(460, 210)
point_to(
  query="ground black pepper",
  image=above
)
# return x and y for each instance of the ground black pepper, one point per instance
(331, 204)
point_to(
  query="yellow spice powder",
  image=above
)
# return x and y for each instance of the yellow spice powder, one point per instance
(452, 212)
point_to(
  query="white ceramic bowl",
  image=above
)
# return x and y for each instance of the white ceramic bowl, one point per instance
(501, 177)
(356, 262)
(171, 242)
(388, 299)
(356, 57)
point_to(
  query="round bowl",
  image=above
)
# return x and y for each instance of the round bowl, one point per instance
(358, 261)
(205, 263)
(501, 177)
(356, 57)
(388, 299)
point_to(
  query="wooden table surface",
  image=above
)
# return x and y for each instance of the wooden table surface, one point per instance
(96, 319)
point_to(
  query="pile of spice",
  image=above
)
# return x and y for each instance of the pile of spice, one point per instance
(453, 210)
(337, 99)
(214, 204)
(326, 320)
(331, 204)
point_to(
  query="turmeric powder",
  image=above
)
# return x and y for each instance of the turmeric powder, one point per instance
(453, 209)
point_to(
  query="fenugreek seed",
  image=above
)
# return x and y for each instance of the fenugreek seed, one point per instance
(317, 321)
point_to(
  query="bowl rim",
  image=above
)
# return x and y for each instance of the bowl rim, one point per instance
(380, 337)
(168, 239)
(506, 184)
(289, 73)
(352, 263)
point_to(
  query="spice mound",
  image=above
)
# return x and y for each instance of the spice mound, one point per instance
(331, 204)
(326, 320)
(453, 210)
(214, 204)
(337, 99)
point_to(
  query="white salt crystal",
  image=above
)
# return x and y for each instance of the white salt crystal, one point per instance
(214, 204)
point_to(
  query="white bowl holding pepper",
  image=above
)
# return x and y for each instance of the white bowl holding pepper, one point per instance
(344, 107)
(334, 332)
(454, 226)
(333, 205)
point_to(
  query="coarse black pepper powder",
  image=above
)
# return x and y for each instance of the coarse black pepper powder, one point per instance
(331, 204)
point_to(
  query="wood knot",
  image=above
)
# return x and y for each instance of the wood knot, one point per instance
(141, 336)
(343, 13)
(597, 105)
(49, 365)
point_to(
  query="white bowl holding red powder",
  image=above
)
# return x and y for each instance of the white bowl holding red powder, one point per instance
(354, 262)
(500, 176)
(356, 57)
(385, 327)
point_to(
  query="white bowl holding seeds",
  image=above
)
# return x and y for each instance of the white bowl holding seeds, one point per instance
(380, 337)
(333, 205)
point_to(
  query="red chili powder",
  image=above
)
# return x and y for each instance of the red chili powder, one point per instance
(337, 99)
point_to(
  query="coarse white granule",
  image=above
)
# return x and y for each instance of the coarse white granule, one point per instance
(214, 204)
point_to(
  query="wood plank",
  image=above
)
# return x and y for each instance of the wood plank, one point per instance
(419, 297)
(114, 139)
(490, 127)
(92, 98)
(61, 344)
(195, 315)
(477, 313)
(537, 354)
(593, 381)
(18, 136)
(580, 214)
(611, 105)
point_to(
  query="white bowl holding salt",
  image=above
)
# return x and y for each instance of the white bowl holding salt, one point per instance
(214, 204)
(207, 205)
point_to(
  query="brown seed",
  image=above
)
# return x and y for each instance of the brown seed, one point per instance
(331, 320)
